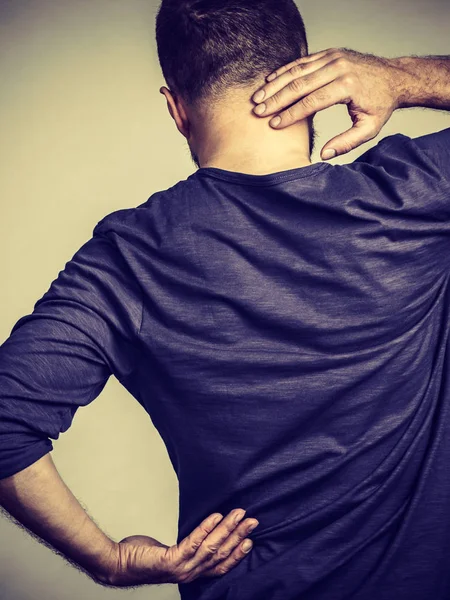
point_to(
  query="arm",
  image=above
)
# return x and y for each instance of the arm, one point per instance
(56, 360)
(424, 81)
(38, 498)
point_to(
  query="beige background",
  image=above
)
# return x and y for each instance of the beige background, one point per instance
(84, 132)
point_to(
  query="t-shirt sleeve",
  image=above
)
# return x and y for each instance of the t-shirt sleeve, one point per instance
(409, 178)
(60, 357)
(436, 146)
(400, 153)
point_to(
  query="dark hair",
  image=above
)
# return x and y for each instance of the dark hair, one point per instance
(206, 47)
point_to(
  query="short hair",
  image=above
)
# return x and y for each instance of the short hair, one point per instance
(206, 47)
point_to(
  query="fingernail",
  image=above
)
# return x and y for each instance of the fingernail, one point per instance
(217, 519)
(275, 122)
(247, 545)
(259, 96)
(330, 153)
(252, 527)
(260, 109)
(239, 516)
(271, 77)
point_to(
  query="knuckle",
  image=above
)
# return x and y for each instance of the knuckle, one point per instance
(195, 545)
(346, 147)
(341, 62)
(273, 101)
(222, 555)
(211, 549)
(231, 526)
(348, 80)
(297, 85)
(288, 115)
(203, 529)
(337, 52)
(297, 69)
(308, 102)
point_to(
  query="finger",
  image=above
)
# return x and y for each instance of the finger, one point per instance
(325, 97)
(230, 544)
(230, 562)
(244, 529)
(303, 59)
(298, 70)
(187, 548)
(298, 61)
(288, 89)
(216, 538)
(361, 132)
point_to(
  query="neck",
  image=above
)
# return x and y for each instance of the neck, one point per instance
(238, 140)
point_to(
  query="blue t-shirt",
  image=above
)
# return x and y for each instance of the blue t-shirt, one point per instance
(288, 334)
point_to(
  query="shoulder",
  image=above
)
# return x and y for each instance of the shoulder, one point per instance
(158, 225)
(410, 175)
(399, 152)
(161, 211)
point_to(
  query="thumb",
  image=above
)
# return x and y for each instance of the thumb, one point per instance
(361, 132)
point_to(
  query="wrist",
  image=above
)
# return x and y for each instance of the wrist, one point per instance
(107, 564)
(421, 81)
(405, 82)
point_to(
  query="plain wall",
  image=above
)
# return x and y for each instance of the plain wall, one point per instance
(83, 132)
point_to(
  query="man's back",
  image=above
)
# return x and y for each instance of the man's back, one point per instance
(296, 357)
(287, 334)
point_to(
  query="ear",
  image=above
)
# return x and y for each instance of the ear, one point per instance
(177, 112)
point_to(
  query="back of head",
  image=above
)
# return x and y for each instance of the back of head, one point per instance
(208, 47)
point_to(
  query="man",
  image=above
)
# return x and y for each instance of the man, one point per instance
(284, 323)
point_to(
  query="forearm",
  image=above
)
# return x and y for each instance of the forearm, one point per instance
(40, 500)
(423, 81)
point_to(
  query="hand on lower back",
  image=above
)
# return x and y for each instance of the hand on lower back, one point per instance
(365, 83)
(209, 551)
